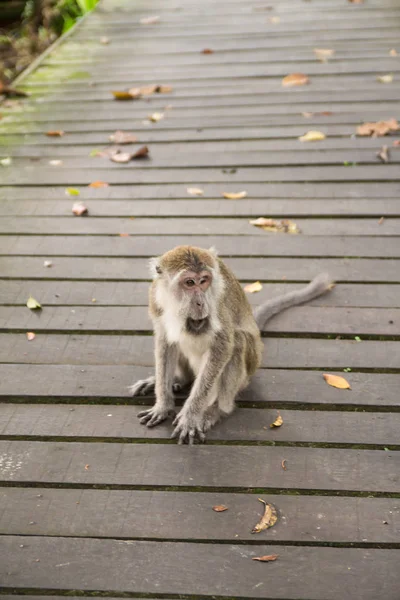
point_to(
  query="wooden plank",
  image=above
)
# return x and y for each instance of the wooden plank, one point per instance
(276, 269)
(315, 320)
(126, 293)
(78, 349)
(121, 424)
(269, 387)
(119, 175)
(284, 245)
(233, 466)
(72, 225)
(169, 515)
(211, 569)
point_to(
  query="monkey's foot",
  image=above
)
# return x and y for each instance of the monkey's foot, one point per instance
(143, 386)
(211, 416)
(187, 428)
(155, 415)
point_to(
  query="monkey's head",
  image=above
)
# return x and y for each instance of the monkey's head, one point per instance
(187, 282)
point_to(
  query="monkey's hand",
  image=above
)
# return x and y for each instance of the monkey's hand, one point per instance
(143, 386)
(155, 415)
(188, 426)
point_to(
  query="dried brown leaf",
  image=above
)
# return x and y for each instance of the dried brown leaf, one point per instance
(378, 128)
(122, 137)
(87, 467)
(356, 1)
(234, 195)
(220, 508)
(164, 89)
(268, 519)
(295, 79)
(396, 143)
(122, 95)
(336, 381)
(121, 157)
(124, 235)
(195, 191)
(381, 220)
(149, 20)
(55, 133)
(383, 154)
(308, 115)
(47, 264)
(79, 209)
(30, 336)
(252, 288)
(393, 52)
(143, 152)
(277, 423)
(283, 464)
(135, 93)
(266, 558)
(147, 90)
(323, 54)
(284, 226)
(98, 184)
(207, 51)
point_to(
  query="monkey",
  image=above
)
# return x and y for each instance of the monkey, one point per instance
(205, 335)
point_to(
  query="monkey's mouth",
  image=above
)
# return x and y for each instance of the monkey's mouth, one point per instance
(197, 325)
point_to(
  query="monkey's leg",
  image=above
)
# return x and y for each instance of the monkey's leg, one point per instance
(183, 375)
(166, 363)
(143, 386)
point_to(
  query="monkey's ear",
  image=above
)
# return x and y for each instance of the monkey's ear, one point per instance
(213, 251)
(155, 268)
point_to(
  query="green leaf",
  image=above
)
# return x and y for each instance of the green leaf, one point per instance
(33, 304)
(72, 192)
(6, 162)
(358, 339)
(347, 370)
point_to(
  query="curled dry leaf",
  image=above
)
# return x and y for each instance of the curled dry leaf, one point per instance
(164, 89)
(220, 508)
(323, 54)
(123, 95)
(336, 381)
(79, 209)
(277, 423)
(284, 226)
(381, 220)
(195, 191)
(149, 20)
(252, 288)
(47, 264)
(312, 136)
(379, 128)
(234, 195)
(33, 304)
(122, 137)
(87, 467)
(55, 133)
(295, 79)
(98, 184)
(121, 157)
(268, 519)
(30, 336)
(155, 117)
(386, 78)
(207, 51)
(383, 154)
(283, 464)
(141, 153)
(266, 558)
(134, 93)
(72, 192)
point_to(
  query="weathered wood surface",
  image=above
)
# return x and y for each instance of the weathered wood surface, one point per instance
(92, 503)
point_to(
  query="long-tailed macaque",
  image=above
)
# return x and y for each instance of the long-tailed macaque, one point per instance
(205, 334)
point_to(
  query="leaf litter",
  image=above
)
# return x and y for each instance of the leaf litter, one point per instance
(336, 381)
(266, 558)
(195, 191)
(79, 209)
(295, 79)
(283, 226)
(220, 508)
(383, 154)
(234, 195)
(312, 136)
(30, 336)
(33, 304)
(277, 423)
(386, 78)
(123, 137)
(98, 184)
(323, 54)
(252, 288)
(55, 133)
(268, 519)
(72, 191)
(378, 128)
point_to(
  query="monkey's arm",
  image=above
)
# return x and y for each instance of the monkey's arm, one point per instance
(191, 419)
(166, 356)
(318, 286)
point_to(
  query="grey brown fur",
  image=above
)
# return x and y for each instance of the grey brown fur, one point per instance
(205, 334)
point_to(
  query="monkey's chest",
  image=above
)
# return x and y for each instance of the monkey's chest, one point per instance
(194, 349)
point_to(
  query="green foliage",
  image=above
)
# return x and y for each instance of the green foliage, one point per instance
(71, 10)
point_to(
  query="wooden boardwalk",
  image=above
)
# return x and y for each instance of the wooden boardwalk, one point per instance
(93, 504)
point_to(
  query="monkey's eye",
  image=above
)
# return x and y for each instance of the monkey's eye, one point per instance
(205, 279)
(189, 282)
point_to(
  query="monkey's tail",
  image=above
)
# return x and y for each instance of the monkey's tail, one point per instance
(318, 286)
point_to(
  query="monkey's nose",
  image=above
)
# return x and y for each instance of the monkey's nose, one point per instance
(199, 303)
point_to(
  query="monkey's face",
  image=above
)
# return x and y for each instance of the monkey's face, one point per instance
(194, 290)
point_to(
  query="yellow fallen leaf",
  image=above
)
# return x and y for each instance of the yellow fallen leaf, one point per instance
(277, 423)
(295, 79)
(98, 184)
(32, 303)
(336, 381)
(312, 136)
(155, 117)
(252, 288)
(284, 226)
(30, 336)
(268, 519)
(234, 195)
(220, 508)
(195, 191)
(266, 558)
(386, 78)
(122, 95)
(323, 54)
(72, 192)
